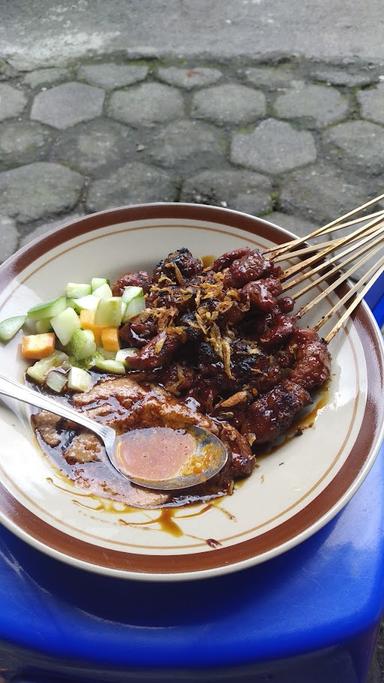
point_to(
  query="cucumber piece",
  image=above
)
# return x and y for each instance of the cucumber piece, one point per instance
(49, 309)
(112, 366)
(131, 293)
(103, 292)
(89, 303)
(97, 282)
(39, 370)
(43, 326)
(79, 380)
(124, 355)
(65, 325)
(10, 327)
(108, 312)
(56, 380)
(107, 355)
(74, 290)
(136, 306)
(82, 344)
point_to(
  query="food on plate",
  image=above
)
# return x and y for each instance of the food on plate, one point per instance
(215, 346)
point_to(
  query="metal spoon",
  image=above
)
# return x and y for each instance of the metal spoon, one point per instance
(209, 452)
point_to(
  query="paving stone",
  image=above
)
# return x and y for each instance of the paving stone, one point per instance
(6, 70)
(299, 226)
(146, 104)
(229, 103)
(347, 76)
(320, 103)
(322, 193)
(131, 184)
(8, 237)
(22, 141)
(109, 75)
(240, 190)
(358, 145)
(372, 103)
(272, 77)
(12, 101)
(35, 79)
(189, 78)
(188, 145)
(273, 147)
(68, 104)
(31, 233)
(31, 192)
(96, 146)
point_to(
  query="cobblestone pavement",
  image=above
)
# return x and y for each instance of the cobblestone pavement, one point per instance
(295, 140)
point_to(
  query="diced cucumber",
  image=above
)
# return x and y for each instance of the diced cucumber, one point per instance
(89, 303)
(131, 293)
(108, 312)
(113, 366)
(42, 326)
(74, 290)
(103, 292)
(10, 327)
(39, 370)
(82, 344)
(56, 380)
(97, 282)
(49, 309)
(108, 355)
(65, 325)
(79, 380)
(124, 355)
(136, 306)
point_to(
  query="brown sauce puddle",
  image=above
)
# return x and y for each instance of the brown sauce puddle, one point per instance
(166, 520)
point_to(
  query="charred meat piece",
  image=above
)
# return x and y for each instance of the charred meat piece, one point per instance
(273, 413)
(138, 332)
(159, 351)
(179, 266)
(229, 257)
(313, 360)
(243, 461)
(252, 367)
(170, 296)
(286, 304)
(177, 379)
(250, 267)
(140, 279)
(261, 294)
(279, 332)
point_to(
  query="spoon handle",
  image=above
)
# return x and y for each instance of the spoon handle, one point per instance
(20, 392)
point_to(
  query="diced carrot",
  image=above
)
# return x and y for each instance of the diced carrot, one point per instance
(87, 322)
(37, 346)
(110, 339)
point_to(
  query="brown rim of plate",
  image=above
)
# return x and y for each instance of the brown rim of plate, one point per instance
(58, 542)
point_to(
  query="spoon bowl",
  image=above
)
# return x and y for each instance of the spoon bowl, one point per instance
(157, 458)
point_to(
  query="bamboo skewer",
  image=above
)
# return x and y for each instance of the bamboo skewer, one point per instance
(377, 271)
(365, 244)
(304, 264)
(288, 246)
(344, 276)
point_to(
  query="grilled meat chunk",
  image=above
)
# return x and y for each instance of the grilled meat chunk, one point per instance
(273, 413)
(313, 360)
(140, 279)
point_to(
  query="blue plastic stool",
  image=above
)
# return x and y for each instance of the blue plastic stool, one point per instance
(309, 616)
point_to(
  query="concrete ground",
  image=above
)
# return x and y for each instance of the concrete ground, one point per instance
(267, 106)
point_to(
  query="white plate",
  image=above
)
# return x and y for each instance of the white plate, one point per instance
(294, 491)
